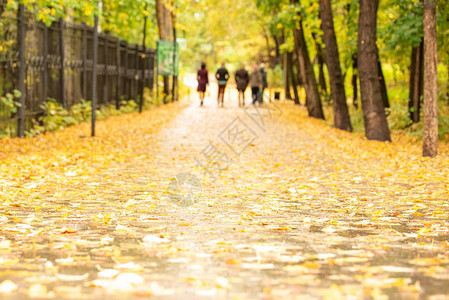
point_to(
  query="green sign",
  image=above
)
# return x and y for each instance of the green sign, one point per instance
(167, 58)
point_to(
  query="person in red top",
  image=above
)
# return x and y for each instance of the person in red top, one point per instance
(203, 80)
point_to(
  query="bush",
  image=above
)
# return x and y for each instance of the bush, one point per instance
(10, 102)
(57, 117)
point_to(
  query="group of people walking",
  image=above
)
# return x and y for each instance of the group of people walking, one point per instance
(257, 79)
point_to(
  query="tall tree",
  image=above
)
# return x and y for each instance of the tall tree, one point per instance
(376, 125)
(416, 82)
(313, 101)
(430, 133)
(277, 51)
(341, 113)
(299, 77)
(287, 75)
(320, 61)
(292, 77)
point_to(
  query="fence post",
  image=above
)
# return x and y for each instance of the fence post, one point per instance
(175, 77)
(84, 46)
(21, 46)
(94, 71)
(147, 68)
(117, 85)
(44, 64)
(142, 80)
(61, 73)
(105, 86)
(125, 73)
(142, 62)
(151, 64)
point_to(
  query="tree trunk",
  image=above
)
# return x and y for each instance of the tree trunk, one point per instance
(341, 112)
(292, 77)
(165, 25)
(299, 77)
(355, 92)
(313, 101)
(376, 126)
(430, 133)
(286, 77)
(277, 59)
(383, 86)
(416, 82)
(320, 61)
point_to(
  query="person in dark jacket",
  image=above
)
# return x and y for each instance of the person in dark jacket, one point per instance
(203, 80)
(242, 80)
(264, 81)
(256, 83)
(222, 76)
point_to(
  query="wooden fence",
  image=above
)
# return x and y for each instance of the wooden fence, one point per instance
(57, 62)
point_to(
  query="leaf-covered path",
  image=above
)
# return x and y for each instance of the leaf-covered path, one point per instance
(298, 209)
